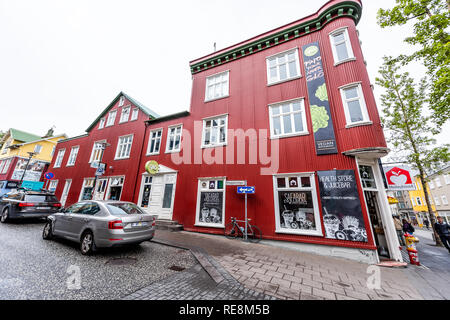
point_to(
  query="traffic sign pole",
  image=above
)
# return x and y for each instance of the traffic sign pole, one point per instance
(246, 217)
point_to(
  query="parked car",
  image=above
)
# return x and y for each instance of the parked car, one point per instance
(96, 224)
(22, 203)
(7, 186)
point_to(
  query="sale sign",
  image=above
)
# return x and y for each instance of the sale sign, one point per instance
(399, 178)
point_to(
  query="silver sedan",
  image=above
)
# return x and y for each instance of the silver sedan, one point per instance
(96, 224)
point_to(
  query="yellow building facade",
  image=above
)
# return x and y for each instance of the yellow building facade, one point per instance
(418, 202)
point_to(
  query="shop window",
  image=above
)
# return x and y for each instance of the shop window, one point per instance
(154, 144)
(211, 203)
(296, 206)
(59, 158)
(354, 105)
(367, 177)
(283, 66)
(341, 46)
(288, 119)
(115, 188)
(174, 139)
(88, 187)
(217, 86)
(52, 185)
(215, 131)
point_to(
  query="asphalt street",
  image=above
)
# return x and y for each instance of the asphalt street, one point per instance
(33, 268)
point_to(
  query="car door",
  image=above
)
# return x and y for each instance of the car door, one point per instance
(64, 222)
(83, 217)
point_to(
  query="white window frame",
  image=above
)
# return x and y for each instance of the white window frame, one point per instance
(284, 54)
(437, 201)
(218, 143)
(2, 162)
(6, 165)
(291, 113)
(151, 138)
(59, 158)
(134, 114)
(312, 188)
(38, 148)
(50, 185)
(73, 156)
(444, 200)
(121, 101)
(102, 123)
(211, 82)
(111, 118)
(125, 114)
(447, 178)
(87, 182)
(122, 147)
(438, 182)
(431, 184)
(175, 136)
(348, 46)
(94, 149)
(201, 189)
(362, 103)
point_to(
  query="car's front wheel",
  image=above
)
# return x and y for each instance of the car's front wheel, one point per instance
(5, 215)
(87, 243)
(47, 233)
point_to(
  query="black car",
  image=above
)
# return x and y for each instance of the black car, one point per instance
(22, 203)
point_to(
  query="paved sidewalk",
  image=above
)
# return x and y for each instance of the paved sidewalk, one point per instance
(288, 274)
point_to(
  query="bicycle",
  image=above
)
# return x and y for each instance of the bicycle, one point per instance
(233, 230)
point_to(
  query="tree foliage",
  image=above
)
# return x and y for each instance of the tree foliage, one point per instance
(430, 35)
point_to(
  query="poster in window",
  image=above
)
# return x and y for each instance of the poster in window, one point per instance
(33, 171)
(296, 210)
(342, 213)
(145, 195)
(211, 204)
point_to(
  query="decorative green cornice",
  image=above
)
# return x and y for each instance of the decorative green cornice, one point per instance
(349, 9)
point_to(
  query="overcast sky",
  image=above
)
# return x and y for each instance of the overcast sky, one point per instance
(62, 62)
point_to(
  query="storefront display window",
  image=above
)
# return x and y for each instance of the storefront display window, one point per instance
(211, 202)
(296, 206)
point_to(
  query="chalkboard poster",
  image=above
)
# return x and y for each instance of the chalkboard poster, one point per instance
(211, 204)
(145, 196)
(318, 100)
(296, 210)
(343, 218)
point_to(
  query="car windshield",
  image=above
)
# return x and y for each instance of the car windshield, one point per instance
(121, 209)
(40, 198)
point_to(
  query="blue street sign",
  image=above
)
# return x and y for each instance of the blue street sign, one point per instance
(49, 175)
(245, 189)
(101, 169)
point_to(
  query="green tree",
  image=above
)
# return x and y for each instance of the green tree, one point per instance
(430, 35)
(409, 129)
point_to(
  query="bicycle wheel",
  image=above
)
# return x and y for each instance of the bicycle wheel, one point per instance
(254, 234)
(231, 231)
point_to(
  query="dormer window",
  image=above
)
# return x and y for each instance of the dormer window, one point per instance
(111, 118)
(121, 101)
(102, 123)
(134, 114)
(125, 115)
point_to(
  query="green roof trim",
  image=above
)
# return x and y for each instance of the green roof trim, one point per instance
(351, 9)
(136, 103)
(23, 136)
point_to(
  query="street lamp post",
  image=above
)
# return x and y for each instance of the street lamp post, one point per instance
(31, 154)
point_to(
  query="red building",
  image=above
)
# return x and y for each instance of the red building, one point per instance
(290, 112)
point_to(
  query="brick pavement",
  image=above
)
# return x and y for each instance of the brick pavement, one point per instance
(275, 272)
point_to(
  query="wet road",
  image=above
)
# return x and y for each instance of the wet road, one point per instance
(33, 268)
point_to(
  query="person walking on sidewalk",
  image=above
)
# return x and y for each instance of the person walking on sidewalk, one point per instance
(426, 223)
(407, 227)
(399, 228)
(443, 230)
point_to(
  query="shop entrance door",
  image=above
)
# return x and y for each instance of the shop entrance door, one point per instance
(65, 192)
(157, 194)
(100, 189)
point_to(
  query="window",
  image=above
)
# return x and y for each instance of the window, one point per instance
(111, 118)
(52, 185)
(121, 101)
(444, 200)
(340, 46)
(154, 144)
(296, 206)
(211, 202)
(215, 131)
(288, 119)
(418, 201)
(73, 156)
(135, 114)
(88, 187)
(447, 178)
(438, 182)
(124, 147)
(97, 150)
(6, 165)
(436, 201)
(354, 105)
(283, 66)
(38, 148)
(431, 184)
(2, 162)
(217, 86)
(125, 115)
(6, 146)
(59, 158)
(102, 123)
(174, 139)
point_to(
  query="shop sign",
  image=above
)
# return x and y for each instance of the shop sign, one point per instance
(342, 213)
(100, 169)
(318, 100)
(398, 178)
(33, 171)
(152, 167)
